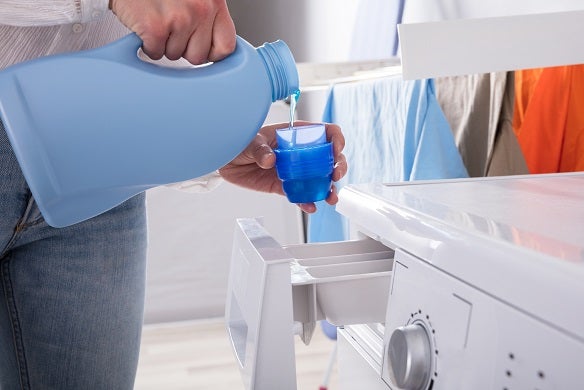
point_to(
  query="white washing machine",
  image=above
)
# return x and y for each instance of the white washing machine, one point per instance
(456, 284)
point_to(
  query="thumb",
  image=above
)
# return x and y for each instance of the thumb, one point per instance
(260, 152)
(264, 156)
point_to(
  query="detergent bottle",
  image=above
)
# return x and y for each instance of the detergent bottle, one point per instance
(93, 128)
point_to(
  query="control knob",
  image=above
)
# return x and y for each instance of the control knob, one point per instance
(410, 357)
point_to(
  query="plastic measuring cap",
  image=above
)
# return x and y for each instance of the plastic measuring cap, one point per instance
(304, 163)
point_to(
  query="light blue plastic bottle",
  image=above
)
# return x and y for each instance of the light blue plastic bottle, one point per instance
(94, 128)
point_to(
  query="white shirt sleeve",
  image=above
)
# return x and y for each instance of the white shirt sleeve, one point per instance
(201, 184)
(50, 12)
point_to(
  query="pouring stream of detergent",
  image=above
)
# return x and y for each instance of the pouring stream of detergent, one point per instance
(293, 100)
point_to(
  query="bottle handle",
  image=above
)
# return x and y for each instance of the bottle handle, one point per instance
(125, 51)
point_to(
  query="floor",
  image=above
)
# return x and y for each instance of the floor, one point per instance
(197, 355)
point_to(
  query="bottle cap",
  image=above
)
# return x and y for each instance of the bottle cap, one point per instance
(281, 68)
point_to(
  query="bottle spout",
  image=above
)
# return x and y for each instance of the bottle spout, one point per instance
(281, 68)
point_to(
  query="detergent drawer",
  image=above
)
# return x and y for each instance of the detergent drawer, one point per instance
(276, 292)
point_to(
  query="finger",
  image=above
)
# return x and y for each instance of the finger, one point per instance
(264, 156)
(198, 46)
(335, 135)
(177, 44)
(154, 46)
(307, 207)
(224, 41)
(259, 152)
(340, 168)
(332, 197)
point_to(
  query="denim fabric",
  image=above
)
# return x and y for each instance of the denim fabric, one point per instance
(71, 299)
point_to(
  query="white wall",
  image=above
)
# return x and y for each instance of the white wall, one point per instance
(318, 30)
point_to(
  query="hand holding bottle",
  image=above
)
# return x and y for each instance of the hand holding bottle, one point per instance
(254, 168)
(197, 30)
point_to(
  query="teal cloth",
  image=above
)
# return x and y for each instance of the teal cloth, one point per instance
(395, 131)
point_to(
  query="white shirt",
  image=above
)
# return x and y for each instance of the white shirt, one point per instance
(36, 28)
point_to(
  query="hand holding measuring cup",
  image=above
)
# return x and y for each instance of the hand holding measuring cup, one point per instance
(256, 167)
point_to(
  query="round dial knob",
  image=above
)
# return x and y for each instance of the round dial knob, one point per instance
(410, 357)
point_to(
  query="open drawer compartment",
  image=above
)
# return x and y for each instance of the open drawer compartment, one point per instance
(342, 282)
(275, 292)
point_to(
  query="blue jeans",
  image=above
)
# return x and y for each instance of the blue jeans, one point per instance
(71, 299)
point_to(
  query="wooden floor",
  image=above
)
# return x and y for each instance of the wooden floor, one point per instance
(197, 355)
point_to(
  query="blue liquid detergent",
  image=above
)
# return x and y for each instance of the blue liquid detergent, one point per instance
(294, 97)
(304, 163)
(93, 128)
(304, 160)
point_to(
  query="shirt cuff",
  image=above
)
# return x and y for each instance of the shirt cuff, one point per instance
(93, 9)
(201, 184)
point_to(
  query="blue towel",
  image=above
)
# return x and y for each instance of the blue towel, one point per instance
(395, 131)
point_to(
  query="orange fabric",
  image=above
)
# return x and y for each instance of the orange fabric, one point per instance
(549, 118)
(573, 151)
(525, 82)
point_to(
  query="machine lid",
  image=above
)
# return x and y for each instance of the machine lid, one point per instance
(519, 238)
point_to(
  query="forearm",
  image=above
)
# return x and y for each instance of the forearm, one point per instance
(50, 12)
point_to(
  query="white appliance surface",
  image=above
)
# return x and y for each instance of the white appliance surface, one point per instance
(488, 280)
(491, 44)
(485, 290)
(518, 239)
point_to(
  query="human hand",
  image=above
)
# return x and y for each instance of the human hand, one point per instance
(197, 30)
(254, 168)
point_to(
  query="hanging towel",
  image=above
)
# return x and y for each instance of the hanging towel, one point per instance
(394, 131)
(548, 118)
(479, 109)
